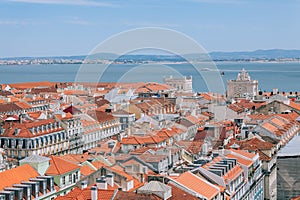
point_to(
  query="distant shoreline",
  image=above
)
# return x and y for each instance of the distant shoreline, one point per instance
(3, 63)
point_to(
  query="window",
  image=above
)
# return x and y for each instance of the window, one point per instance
(76, 175)
(70, 178)
(63, 180)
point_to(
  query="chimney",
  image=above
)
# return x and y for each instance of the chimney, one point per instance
(83, 184)
(94, 193)
(101, 183)
(110, 179)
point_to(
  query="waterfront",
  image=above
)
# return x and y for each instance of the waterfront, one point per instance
(269, 75)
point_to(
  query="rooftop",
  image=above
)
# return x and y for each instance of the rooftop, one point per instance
(196, 184)
(17, 175)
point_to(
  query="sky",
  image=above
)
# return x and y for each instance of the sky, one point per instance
(75, 27)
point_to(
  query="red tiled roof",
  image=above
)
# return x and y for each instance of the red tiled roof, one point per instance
(25, 85)
(240, 160)
(101, 116)
(99, 164)
(9, 107)
(179, 194)
(133, 140)
(294, 105)
(75, 158)
(72, 109)
(244, 153)
(251, 144)
(122, 195)
(152, 87)
(193, 147)
(17, 175)
(197, 184)
(60, 166)
(86, 170)
(24, 129)
(85, 194)
(23, 105)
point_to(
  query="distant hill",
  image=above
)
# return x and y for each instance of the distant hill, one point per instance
(243, 55)
(258, 54)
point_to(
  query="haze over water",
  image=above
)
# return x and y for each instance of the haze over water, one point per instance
(284, 76)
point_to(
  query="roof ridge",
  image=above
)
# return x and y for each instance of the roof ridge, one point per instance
(54, 161)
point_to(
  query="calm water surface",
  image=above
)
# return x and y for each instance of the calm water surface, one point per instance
(284, 76)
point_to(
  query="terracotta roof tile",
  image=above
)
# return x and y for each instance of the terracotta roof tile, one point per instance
(85, 194)
(294, 105)
(17, 175)
(25, 85)
(179, 194)
(197, 184)
(23, 105)
(59, 166)
(244, 153)
(24, 129)
(122, 195)
(86, 170)
(240, 160)
(75, 158)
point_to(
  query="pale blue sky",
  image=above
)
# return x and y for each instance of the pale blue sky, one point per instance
(75, 27)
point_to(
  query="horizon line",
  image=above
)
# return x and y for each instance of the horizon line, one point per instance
(152, 54)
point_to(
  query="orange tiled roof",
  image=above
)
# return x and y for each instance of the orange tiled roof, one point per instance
(295, 105)
(195, 120)
(86, 170)
(75, 92)
(142, 140)
(32, 85)
(23, 105)
(99, 164)
(193, 147)
(296, 198)
(60, 166)
(240, 160)
(251, 144)
(179, 194)
(289, 116)
(24, 129)
(278, 121)
(206, 96)
(259, 116)
(270, 127)
(75, 158)
(244, 153)
(197, 184)
(122, 195)
(118, 170)
(17, 175)
(34, 115)
(233, 173)
(152, 87)
(85, 194)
